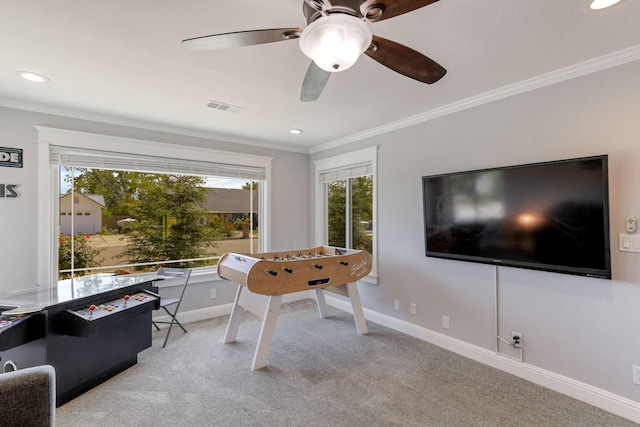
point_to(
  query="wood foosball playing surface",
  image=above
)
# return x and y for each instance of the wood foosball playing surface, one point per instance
(264, 278)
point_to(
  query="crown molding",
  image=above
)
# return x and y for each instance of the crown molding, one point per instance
(583, 68)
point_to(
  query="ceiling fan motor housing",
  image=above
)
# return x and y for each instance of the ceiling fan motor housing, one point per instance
(335, 38)
(349, 7)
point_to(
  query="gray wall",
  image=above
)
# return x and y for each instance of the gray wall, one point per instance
(585, 329)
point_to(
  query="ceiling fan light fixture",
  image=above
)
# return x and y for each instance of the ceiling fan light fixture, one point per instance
(601, 4)
(335, 42)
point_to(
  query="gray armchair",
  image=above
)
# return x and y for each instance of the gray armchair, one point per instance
(28, 397)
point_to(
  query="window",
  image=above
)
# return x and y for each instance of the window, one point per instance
(147, 220)
(179, 206)
(346, 200)
(349, 213)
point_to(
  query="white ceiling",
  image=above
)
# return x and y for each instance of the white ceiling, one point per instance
(122, 61)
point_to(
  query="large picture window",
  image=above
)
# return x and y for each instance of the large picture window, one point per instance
(125, 212)
(142, 221)
(345, 200)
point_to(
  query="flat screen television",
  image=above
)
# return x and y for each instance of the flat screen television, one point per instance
(551, 216)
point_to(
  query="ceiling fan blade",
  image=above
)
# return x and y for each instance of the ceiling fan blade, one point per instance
(314, 82)
(377, 10)
(241, 38)
(405, 61)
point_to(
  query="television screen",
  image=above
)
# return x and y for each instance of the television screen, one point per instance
(550, 216)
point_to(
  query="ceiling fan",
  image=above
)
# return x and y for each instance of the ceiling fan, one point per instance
(337, 33)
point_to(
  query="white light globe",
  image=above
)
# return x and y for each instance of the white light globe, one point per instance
(602, 4)
(335, 42)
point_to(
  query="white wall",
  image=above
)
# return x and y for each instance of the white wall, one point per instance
(18, 217)
(585, 329)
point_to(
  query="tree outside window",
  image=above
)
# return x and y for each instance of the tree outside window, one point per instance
(153, 219)
(350, 213)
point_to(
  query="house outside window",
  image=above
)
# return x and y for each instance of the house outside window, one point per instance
(346, 202)
(90, 203)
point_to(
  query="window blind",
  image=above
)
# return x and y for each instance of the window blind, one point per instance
(351, 171)
(77, 157)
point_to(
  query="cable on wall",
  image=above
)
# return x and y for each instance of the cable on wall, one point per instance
(516, 340)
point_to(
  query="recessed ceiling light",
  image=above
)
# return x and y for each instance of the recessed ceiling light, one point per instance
(602, 4)
(295, 131)
(32, 77)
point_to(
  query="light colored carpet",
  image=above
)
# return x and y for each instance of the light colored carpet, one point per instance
(320, 372)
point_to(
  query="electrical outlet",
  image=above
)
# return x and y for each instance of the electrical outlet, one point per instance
(636, 375)
(396, 304)
(412, 308)
(445, 322)
(516, 339)
(213, 294)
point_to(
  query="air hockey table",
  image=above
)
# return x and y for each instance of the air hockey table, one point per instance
(88, 328)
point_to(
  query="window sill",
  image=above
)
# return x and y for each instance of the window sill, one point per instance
(371, 279)
(198, 275)
(205, 274)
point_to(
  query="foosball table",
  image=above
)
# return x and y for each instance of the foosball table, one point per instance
(263, 279)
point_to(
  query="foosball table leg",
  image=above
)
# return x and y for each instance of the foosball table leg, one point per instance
(349, 290)
(356, 306)
(266, 308)
(266, 332)
(235, 319)
(322, 303)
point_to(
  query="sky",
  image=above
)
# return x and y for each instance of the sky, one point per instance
(212, 182)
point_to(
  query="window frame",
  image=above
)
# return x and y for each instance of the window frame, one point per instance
(49, 183)
(367, 156)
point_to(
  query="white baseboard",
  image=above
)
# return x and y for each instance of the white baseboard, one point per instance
(594, 396)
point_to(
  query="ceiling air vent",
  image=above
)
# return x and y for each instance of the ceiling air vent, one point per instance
(224, 107)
